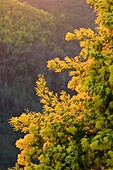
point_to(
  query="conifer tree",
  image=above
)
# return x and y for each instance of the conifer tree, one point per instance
(75, 133)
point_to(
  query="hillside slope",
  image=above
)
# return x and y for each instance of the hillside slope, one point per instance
(76, 13)
(21, 24)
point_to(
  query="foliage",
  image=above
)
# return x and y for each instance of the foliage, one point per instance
(27, 40)
(54, 134)
(19, 68)
(16, 167)
(75, 132)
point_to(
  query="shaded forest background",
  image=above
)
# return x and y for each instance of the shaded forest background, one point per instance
(21, 60)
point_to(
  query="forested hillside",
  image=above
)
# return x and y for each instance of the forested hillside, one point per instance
(76, 13)
(30, 34)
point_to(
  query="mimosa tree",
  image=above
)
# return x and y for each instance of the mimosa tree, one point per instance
(75, 133)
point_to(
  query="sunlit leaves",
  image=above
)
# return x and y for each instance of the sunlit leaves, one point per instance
(70, 36)
(75, 132)
(56, 129)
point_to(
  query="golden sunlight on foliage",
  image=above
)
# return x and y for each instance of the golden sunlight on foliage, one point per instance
(75, 132)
